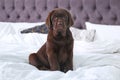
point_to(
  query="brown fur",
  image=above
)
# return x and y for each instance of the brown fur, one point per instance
(57, 52)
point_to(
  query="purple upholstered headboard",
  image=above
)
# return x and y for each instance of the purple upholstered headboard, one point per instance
(96, 11)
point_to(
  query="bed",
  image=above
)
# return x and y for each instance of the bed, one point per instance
(96, 33)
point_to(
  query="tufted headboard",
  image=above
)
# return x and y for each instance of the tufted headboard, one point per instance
(96, 11)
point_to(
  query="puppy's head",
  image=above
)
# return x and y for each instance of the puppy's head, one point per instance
(59, 20)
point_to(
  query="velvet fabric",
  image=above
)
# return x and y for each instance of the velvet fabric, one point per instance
(96, 11)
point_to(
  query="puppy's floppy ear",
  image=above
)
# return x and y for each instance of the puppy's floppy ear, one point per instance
(70, 20)
(48, 19)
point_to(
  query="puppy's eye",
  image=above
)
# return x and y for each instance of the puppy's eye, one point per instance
(55, 18)
(64, 18)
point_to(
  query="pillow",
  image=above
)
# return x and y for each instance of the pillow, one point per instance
(82, 34)
(96, 47)
(6, 29)
(37, 29)
(105, 32)
(19, 26)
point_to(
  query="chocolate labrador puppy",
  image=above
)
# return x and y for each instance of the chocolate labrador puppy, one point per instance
(57, 52)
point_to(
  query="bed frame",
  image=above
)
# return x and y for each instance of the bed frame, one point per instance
(96, 11)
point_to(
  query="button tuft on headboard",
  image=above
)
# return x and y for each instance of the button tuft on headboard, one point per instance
(23, 8)
(114, 18)
(68, 7)
(100, 18)
(94, 8)
(18, 16)
(34, 8)
(13, 7)
(86, 18)
(8, 16)
(81, 8)
(3, 7)
(56, 6)
(28, 16)
(45, 8)
(39, 17)
(74, 17)
(108, 8)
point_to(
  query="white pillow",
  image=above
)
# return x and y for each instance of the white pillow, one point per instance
(16, 27)
(10, 31)
(97, 47)
(5, 29)
(105, 32)
(82, 34)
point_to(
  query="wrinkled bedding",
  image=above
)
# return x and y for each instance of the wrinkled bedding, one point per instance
(97, 60)
(92, 60)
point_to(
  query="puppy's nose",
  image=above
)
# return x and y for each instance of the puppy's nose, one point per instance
(59, 31)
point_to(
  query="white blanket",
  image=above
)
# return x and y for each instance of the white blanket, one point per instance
(90, 62)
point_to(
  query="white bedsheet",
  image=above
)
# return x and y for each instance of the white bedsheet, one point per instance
(14, 52)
